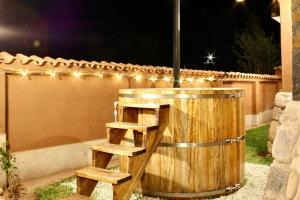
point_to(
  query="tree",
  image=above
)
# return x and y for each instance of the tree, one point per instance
(255, 51)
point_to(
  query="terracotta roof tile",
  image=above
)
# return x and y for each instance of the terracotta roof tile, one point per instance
(23, 59)
(8, 59)
(52, 62)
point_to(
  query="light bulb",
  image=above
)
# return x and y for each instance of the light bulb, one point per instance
(201, 80)
(100, 75)
(119, 76)
(167, 79)
(211, 79)
(190, 79)
(153, 78)
(138, 77)
(52, 74)
(77, 74)
(24, 73)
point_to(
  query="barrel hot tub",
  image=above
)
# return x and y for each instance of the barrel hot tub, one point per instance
(202, 150)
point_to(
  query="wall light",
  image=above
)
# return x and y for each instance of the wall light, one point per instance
(77, 74)
(153, 78)
(190, 79)
(119, 76)
(167, 79)
(100, 75)
(52, 74)
(201, 80)
(138, 77)
(24, 73)
(211, 79)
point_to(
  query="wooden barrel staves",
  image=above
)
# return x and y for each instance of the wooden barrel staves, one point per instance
(202, 151)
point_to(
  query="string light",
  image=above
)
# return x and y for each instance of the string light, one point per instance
(52, 74)
(153, 79)
(100, 75)
(138, 77)
(211, 79)
(24, 73)
(119, 76)
(190, 79)
(167, 79)
(77, 74)
(201, 80)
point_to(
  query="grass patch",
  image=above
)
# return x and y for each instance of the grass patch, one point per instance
(54, 191)
(256, 146)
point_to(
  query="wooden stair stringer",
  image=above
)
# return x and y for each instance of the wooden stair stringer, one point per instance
(136, 165)
(86, 186)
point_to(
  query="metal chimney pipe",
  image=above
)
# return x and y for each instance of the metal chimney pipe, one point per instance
(176, 44)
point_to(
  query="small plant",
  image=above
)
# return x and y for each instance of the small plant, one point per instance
(54, 191)
(14, 188)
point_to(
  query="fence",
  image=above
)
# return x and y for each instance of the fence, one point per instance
(52, 110)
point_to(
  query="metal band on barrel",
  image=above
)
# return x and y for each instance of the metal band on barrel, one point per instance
(190, 145)
(182, 96)
(227, 190)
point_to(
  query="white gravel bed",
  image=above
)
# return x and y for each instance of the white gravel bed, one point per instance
(256, 178)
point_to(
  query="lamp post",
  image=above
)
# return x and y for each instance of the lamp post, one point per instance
(176, 44)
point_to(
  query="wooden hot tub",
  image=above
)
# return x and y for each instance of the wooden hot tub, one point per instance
(202, 151)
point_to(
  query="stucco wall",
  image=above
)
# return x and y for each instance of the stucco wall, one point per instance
(286, 44)
(45, 112)
(51, 122)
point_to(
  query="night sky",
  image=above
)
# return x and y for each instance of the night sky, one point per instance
(133, 31)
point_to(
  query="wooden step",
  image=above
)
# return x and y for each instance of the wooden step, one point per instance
(145, 106)
(104, 175)
(133, 126)
(76, 197)
(119, 149)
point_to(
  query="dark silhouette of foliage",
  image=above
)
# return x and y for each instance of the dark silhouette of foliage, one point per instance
(256, 52)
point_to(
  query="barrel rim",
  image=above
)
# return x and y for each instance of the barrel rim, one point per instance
(181, 96)
(220, 192)
(180, 89)
(228, 141)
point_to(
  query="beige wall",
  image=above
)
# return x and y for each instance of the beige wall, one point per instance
(259, 95)
(2, 102)
(286, 44)
(248, 86)
(45, 112)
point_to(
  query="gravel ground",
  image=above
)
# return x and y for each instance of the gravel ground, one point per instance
(256, 178)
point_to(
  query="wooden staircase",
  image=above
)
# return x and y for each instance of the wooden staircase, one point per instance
(134, 138)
